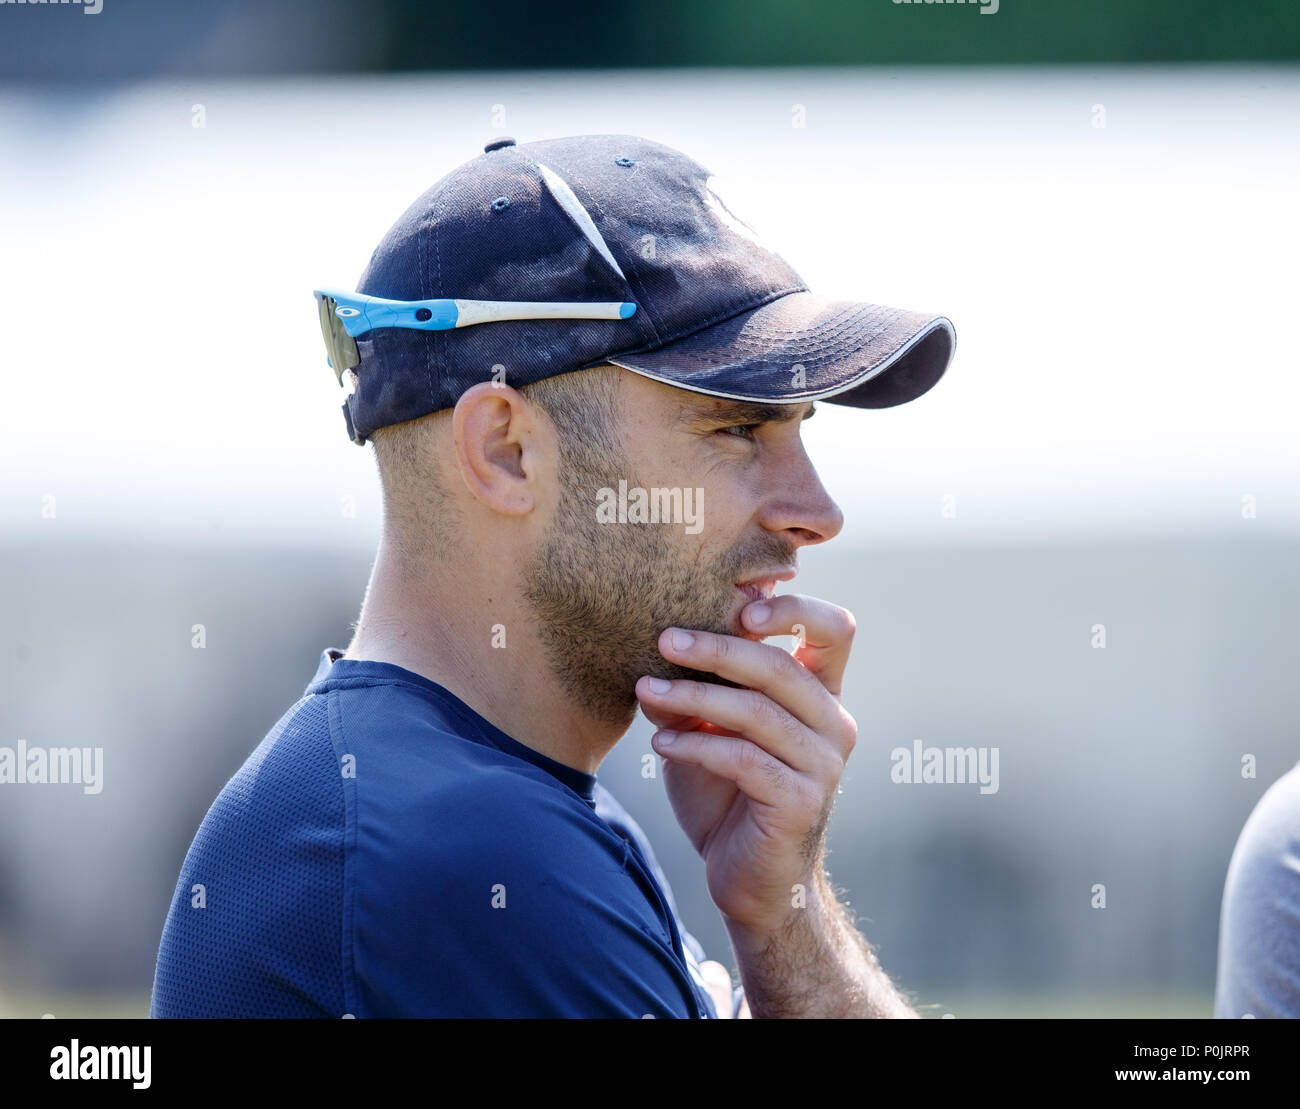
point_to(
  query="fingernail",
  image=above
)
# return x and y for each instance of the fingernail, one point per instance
(665, 738)
(682, 640)
(658, 685)
(757, 614)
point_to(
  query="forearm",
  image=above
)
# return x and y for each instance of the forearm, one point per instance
(817, 964)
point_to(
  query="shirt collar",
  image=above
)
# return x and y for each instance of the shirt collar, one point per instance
(579, 781)
(327, 658)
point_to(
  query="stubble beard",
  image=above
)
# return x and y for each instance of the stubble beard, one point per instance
(604, 592)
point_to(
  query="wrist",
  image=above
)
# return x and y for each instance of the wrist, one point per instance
(805, 918)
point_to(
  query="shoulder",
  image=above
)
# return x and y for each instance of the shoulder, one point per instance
(1269, 843)
(260, 891)
(287, 786)
(1259, 935)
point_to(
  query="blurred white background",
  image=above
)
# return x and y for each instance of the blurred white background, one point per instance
(1122, 294)
(1124, 300)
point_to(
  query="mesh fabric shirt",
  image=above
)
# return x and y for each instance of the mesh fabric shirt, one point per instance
(387, 852)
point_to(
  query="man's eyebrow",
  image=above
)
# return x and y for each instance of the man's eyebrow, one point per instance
(748, 412)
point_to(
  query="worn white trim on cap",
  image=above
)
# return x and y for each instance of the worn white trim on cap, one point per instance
(571, 204)
(936, 324)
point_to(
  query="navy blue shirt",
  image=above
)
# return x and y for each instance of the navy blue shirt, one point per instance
(387, 852)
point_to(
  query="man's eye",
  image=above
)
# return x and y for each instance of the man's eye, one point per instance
(740, 431)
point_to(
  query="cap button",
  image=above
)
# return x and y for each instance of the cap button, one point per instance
(497, 144)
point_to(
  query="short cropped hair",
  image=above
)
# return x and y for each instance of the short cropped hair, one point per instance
(418, 512)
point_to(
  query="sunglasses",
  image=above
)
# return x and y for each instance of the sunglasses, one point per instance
(344, 316)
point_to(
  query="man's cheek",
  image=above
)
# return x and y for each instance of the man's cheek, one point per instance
(693, 510)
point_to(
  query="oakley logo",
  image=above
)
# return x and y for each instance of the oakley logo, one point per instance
(573, 206)
(346, 312)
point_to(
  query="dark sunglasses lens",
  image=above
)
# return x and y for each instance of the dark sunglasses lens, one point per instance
(340, 346)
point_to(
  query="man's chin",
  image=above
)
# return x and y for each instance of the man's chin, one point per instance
(740, 631)
(734, 627)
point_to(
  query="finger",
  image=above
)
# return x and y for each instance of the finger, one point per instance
(664, 718)
(824, 632)
(746, 712)
(761, 666)
(718, 982)
(679, 723)
(756, 773)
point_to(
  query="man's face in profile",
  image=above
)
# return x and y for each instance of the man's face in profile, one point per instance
(605, 588)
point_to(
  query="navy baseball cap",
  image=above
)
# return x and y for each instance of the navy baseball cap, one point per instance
(548, 257)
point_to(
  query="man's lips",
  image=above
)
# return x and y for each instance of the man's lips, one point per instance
(761, 586)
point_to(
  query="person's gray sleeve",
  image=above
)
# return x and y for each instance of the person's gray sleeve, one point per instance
(1259, 927)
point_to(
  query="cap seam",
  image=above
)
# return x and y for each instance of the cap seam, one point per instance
(820, 338)
(841, 321)
(720, 358)
(815, 356)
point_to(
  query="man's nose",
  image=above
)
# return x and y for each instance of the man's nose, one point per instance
(802, 509)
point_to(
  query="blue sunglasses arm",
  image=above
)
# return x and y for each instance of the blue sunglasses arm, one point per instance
(359, 313)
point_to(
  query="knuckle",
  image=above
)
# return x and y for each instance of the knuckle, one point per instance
(794, 731)
(782, 665)
(807, 806)
(721, 646)
(772, 718)
(775, 773)
(761, 708)
(783, 669)
(835, 772)
(770, 663)
(849, 729)
(749, 756)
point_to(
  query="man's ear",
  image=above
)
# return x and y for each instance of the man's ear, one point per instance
(500, 447)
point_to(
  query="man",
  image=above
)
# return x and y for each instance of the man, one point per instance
(584, 380)
(1259, 927)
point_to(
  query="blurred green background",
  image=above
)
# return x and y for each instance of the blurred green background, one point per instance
(134, 38)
